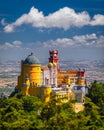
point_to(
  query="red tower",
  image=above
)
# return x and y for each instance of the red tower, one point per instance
(54, 57)
(81, 73)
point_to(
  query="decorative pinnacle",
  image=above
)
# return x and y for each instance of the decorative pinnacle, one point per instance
(32, 53)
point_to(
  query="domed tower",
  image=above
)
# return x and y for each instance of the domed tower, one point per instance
(54, 57)
(31, 69)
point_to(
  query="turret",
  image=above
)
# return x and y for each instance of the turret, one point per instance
(26, 85)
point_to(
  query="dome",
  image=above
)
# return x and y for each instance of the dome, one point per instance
(54, 64)
(50, 64)
(31, 59)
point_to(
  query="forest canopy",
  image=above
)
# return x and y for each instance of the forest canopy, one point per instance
(30, 113)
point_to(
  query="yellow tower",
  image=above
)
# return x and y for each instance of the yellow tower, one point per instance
(31, 69)
(25, 88)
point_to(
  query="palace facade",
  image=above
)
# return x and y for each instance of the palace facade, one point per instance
(43, 81)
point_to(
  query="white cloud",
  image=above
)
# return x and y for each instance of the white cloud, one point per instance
(7, 45)
(17, 43)
(100, 42)
(90, 40)
(9, 28)
(83, 39)
(63, 18)
(60, 42)
(97, 20)
(34, 17)
(3, 22)
(66, 17)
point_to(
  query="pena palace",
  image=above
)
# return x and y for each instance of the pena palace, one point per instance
(43, 81)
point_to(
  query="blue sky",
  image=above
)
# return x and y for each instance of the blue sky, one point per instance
(74, 27)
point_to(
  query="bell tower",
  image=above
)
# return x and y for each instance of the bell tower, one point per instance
(54, 57)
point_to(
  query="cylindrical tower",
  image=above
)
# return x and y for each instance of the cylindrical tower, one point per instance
(30, 68)
(26, 85)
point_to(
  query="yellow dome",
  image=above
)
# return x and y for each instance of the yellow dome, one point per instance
(54, 64)
(50, 64)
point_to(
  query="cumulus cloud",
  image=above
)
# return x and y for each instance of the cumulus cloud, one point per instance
(66, 17)
(63, 18)
(60, 42)
(97, 20)
(90, 40)
(7, 45)
(83, 39)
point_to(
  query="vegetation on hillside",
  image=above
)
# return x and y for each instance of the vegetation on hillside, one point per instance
(30, 113)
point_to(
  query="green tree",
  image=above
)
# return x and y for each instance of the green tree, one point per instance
(94, 118)
(20, 113)
(31, 103)
(96, 93)
(58, 116)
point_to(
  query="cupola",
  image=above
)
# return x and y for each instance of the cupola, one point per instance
(31, 59)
